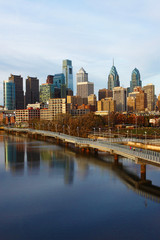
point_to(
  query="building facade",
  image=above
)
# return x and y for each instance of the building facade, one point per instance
(9, 95)
(56, 107)
(19, 93)
(46, 92)
(135, 80)
(67, 70)
(26, 115)
(150, 92)
(50, 79)
(84, 89)
(120, 96)
(131, 104)
(82, 76)
(104, 93)
(106, 104)
(59, 79)
(32, 90)
(113, 78)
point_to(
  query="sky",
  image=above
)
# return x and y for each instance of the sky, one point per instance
(36, 35)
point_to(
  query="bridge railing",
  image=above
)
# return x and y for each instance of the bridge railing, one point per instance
(111, 145)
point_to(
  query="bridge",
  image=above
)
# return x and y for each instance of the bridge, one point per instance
(140, 156)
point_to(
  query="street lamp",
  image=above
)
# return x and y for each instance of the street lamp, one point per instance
(127, 134)
(63, 128)
(118, 132)
(136, 126)
(69, 130)
(94, 131)
(155, 135)
(145, 139)
(99, 131)
(110, 135)
(78, 131)
(56, 127)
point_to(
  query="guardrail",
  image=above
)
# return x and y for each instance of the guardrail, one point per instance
(110, 144)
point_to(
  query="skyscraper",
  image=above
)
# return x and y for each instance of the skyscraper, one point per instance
(113, 78)
(119, 95)
(9, 95)
(32, 90)
(50, 79)
(135, 79)
(84, 89)
(82, 76)
(104, 93)
(19, 93)
(150, 92)
(59, 79)
(68, 73)
(46, 92)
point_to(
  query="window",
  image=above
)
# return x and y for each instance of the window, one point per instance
(70, 70)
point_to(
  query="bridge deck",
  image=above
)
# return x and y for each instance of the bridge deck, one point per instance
(137, 155)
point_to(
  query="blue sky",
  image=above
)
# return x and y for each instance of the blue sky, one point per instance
(36, 35)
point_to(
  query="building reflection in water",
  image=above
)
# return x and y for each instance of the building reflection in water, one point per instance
(33, 159)
(14, 156)
(83, 168)
(60, 160)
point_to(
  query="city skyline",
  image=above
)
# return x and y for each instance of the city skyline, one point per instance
(34, 40)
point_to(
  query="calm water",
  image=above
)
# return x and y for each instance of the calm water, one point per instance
(49, 192)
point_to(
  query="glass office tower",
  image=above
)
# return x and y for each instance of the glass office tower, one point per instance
(9, 95)
(113, 78)
(135, 80)
(67, 69)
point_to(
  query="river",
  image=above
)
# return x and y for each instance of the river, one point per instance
(51, 192)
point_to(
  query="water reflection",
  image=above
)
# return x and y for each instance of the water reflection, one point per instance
(14, 156)
(60, 160)
(33, 159)
(17, 152)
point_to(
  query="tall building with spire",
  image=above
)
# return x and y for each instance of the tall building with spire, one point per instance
(113, 78)
(135, 80)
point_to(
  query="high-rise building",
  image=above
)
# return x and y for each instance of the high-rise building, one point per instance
(59, 79)
(19, 93)
(32, 90)
(56, 107)
(92, 100)
(82, 76)
(67, 69)
(46, 92)
(150, 92)
(131, 104)
(141, 101)
(50, 79)
(106, 104)
(113, 78)
(9, 95)
(135, 79)
(137, 100)
(84, 89)
(119, 95)
(158, 102)
(104, 93)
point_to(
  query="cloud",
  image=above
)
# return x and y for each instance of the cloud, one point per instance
(37, 35)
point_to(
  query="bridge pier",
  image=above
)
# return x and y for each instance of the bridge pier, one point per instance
(143, 172)
(95, 151)
(115, 158)
(87, 150)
